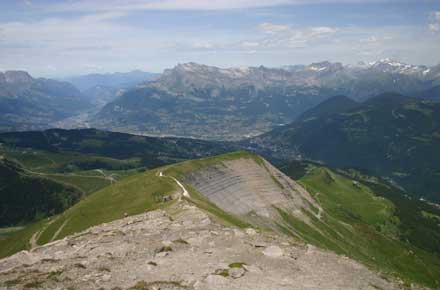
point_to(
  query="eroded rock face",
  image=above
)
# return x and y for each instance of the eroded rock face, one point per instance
(181, 248)
(251, 190)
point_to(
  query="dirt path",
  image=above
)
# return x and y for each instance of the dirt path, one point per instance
(184, 191)
(59, 230)
(33, 240)
(110, 177)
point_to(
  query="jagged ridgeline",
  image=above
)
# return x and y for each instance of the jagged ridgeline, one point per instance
(331, 210)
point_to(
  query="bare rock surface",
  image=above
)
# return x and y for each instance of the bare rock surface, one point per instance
(181, 248)
(251, 190)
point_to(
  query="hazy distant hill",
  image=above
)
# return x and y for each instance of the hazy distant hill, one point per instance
(210, 102)
(432, 94)
(29, 103)
(112, 80)
(390, 135)
(101, 89)
(152, 150)
(336, 104)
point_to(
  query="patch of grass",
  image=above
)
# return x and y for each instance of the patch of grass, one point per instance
(237, 265)
(12, 283)
(142, 285)
(430, 216)
(180, 241)
(277, 182)
(222, 272)
(33, 284)
(8, 231)
(87, 184)
(81, 266)
(376, 287)
(347, 200)
(164, 249)
(54, 275)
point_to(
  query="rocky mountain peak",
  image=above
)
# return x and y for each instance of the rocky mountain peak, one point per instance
(17, 77)
(325, 66)
(393, 66)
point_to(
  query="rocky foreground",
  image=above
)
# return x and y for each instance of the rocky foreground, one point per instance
(182, 248)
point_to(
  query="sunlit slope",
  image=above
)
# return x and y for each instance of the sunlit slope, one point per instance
(358, 222)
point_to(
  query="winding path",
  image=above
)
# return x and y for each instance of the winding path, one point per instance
(184, 191)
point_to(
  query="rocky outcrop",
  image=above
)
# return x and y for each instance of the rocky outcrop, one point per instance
(181, 248)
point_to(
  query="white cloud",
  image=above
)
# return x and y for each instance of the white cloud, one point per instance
(434, 24)
(202, 45)
(434, 27)
(249, 44)
(76, 43)
(370, 39)
(273, 28)
(285, 36)
(105, 40)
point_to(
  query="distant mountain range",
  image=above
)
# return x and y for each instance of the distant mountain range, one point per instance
(206, 102)
(29, 103)
(104, 88)
(390, 135)
(113, 80)
(229, 104)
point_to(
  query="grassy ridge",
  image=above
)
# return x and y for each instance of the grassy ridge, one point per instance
(131, 196)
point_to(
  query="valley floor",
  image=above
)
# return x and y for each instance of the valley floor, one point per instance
(182, 248)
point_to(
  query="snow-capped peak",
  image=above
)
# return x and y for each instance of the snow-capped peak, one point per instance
(394, 66)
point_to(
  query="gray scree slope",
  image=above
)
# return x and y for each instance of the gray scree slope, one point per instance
(248, 188)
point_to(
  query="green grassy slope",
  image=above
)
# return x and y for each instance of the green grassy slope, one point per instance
(131, 196)
(25, 197)
(360, 223)
(390, 135)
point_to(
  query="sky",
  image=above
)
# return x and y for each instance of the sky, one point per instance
(54, 38)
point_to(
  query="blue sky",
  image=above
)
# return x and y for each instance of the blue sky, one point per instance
(59, 38)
